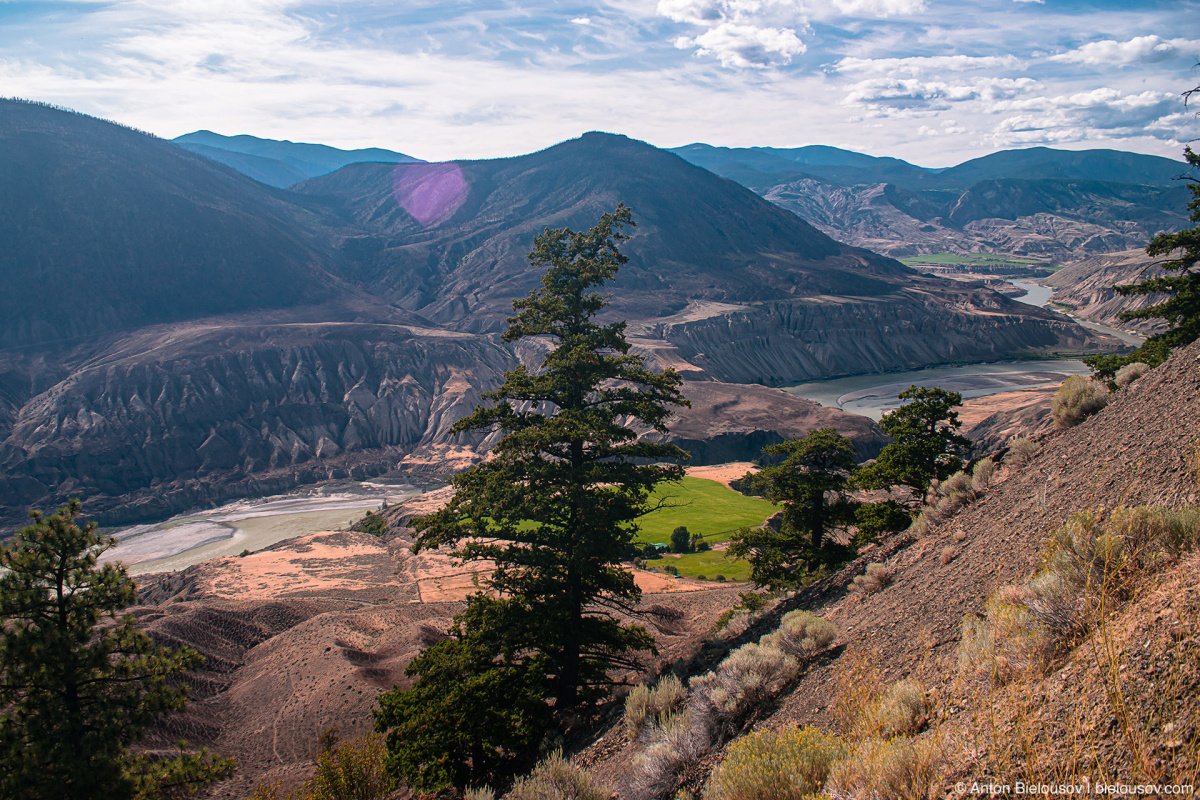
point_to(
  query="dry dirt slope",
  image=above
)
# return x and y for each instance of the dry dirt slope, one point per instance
(1139, 450)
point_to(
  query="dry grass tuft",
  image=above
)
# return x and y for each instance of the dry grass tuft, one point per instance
(480, 793)
(948, 554)
(874, 579)
(647, 705)
(897, 769)
(556, 778)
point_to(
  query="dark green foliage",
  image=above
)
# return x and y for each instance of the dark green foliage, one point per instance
(681, 540)
(813, 470)
(80, 684)
(371, 523)
(555, 507)
(1181, 284)
(875, 519)
(926, 443)
(477, 710)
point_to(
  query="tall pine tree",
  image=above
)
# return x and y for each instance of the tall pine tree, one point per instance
(555, 506)
(78, 684)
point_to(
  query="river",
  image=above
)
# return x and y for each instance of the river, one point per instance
(251, 524)
(874, 395)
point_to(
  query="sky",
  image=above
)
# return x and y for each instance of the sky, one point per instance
(932, 81)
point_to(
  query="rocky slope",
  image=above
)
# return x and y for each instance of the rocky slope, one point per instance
(190, 415)
(1086, 288)
(1141, 449)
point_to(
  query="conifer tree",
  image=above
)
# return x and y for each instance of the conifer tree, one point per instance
(78, 685)
(1180, 285)
(810, 480)
(555, 506)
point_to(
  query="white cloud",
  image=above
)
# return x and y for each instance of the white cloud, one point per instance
(1138, 50)
(915, 94)
(878, 9)
(1097, 114)
(917, 65)
(763, 33)
(746, 46)
(581, 21)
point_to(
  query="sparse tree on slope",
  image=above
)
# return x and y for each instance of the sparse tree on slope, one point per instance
(1181, 284)
(554, 508)
(810, 482)
(926, 442)
(75, 692)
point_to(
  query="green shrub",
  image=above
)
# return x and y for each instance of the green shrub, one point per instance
(981, 475)
(785, 764)
(801, 634)
(371, 523)
(671, 569)
(701, 577)
(1076, 400)
(720, 578)
(1130, 373)
(555, 778)
(647, 704)
(754, 601)
(352, 770)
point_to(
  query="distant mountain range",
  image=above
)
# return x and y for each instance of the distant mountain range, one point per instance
(280, 163)
(1056, 204)
(173, 333)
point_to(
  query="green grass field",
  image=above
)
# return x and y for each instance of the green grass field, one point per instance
(705, 507)
(710, 564)
(988, 259)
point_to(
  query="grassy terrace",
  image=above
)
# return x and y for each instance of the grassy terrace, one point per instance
(980, 260)
(707, 508)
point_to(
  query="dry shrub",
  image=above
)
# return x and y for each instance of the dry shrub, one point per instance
(948, 554)
(733, 624)
(1076, 400)
(678, 740)
(1130, 373)
(874, 579)
(981, 475)
(801, 634)
(776, 765)
(555, 778)
(903, 710)
(1009, 641)
(1087, 567)
(896, 769)
(750, 675)
(1021, 451)
(646, 705)
(480, 793)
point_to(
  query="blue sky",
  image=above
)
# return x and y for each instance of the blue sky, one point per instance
(931, 81)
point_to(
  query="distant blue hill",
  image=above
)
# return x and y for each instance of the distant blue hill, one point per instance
(763, 167)
(281, 163)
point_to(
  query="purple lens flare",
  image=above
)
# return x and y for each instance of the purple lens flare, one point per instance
(429, 192)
